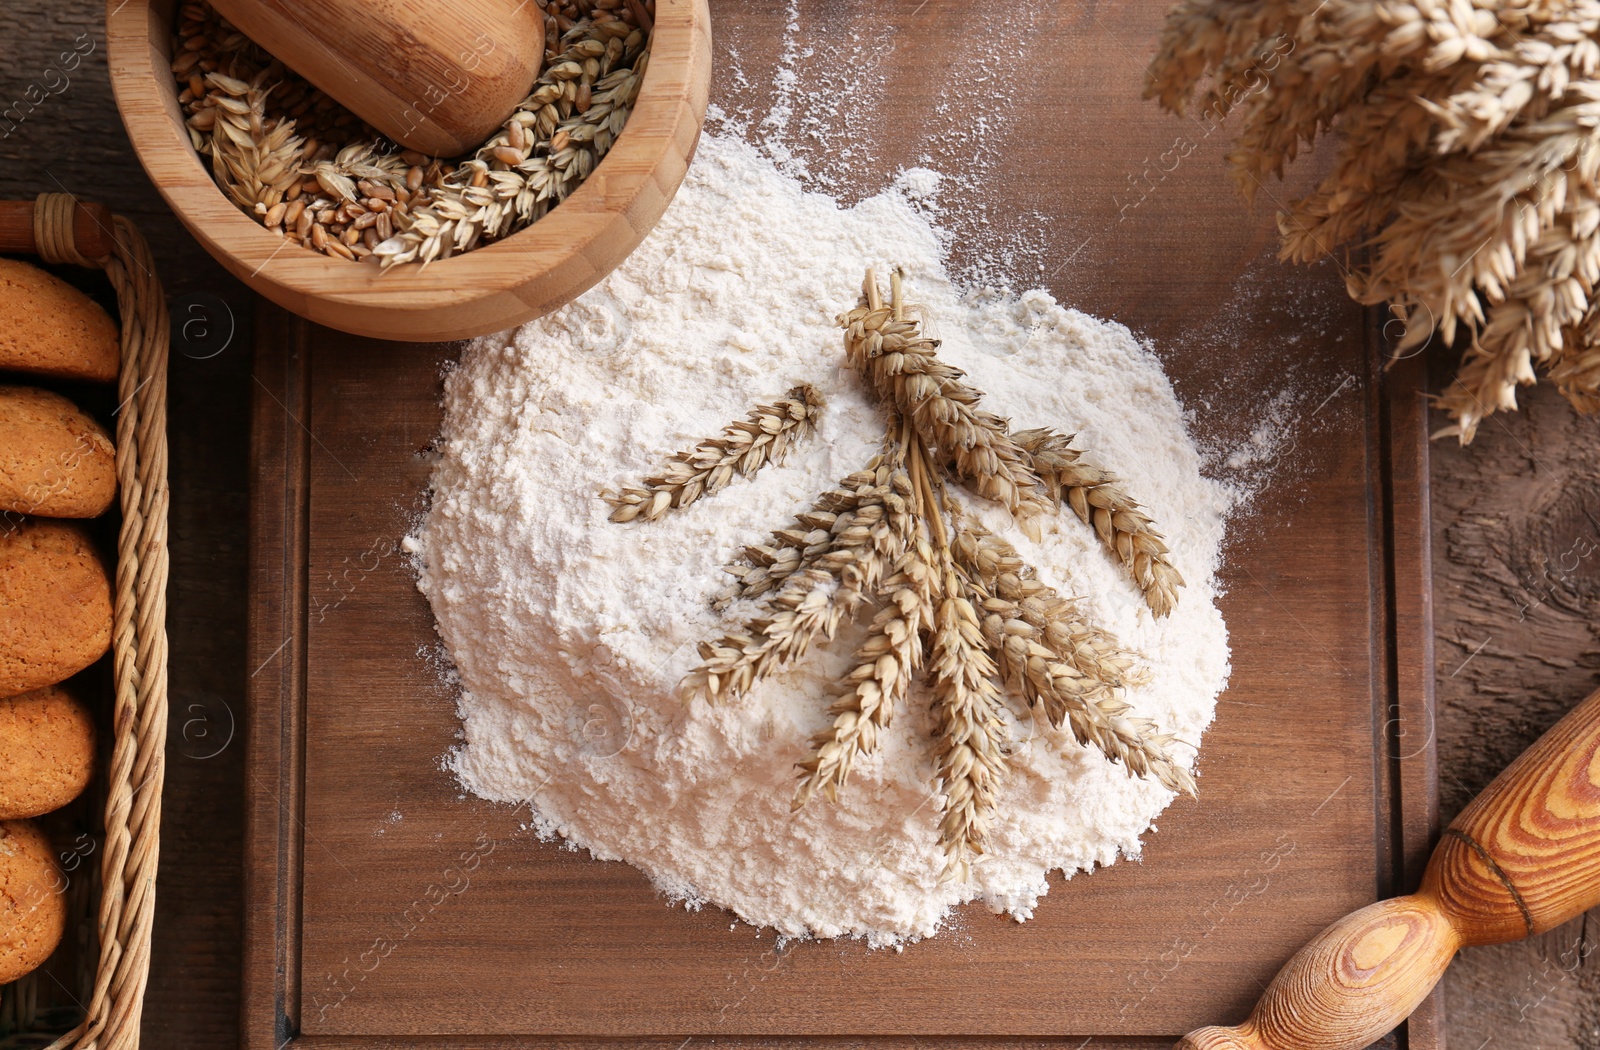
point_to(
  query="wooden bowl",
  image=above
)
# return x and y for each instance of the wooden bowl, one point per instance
(488, 289)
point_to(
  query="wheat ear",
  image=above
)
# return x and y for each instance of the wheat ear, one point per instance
(745, 446)
(885, 665)
(1097, 497)
(814, 600)
(903, 368)
(966, 708)
(859, 513)
(892, 653)
(1022, 614)
(1049, 657)
(797, 614)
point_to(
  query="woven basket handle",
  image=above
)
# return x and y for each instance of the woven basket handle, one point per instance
(37, 228)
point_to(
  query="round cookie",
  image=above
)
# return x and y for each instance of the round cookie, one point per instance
(33, 909)
(46, 752)
(55, 460)
(49, 327)
(55, 603)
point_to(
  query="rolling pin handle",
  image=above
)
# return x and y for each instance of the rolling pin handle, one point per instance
(1524, 857)
(1354, 982)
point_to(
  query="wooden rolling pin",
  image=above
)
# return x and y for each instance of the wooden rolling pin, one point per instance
(1522, 859)
(434, 77)
(92, 232)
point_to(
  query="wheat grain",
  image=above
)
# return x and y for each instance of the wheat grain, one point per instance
(1097, 498)
(745, 446)
(362, 197)
(578, 107)
(270, 134)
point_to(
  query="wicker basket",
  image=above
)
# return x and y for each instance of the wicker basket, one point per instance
(132, 807)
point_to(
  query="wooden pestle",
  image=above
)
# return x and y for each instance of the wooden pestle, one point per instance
(434, 77)
(1522, 859)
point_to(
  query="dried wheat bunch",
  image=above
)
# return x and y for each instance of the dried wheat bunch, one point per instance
(745, 446)
(1466, 165)
(1023, 471)
(952, 600)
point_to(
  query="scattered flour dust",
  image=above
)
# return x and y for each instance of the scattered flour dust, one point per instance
(570, 634)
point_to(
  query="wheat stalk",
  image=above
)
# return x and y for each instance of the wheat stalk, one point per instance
(745, 446)
(903, 368)
(1096, 496)
(888, 660)
(254, 160)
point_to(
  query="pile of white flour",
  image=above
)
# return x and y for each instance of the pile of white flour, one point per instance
(571, 634)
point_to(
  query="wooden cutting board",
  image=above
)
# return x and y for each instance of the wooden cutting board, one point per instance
(385, 908)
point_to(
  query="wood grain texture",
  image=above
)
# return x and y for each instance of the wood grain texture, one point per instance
(1515, 537)
(1301, 812)
(1523, 858)
(1354, 982)
(277, 654)
(1413, 740)
(441, 85)
(488, 289)
(1505, 510)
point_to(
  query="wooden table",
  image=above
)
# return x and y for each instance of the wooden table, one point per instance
(1516, 639)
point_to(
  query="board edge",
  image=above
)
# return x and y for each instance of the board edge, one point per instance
(279, 491)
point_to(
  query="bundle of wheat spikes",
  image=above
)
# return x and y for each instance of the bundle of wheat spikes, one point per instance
(949, 596)
(1466, 165)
